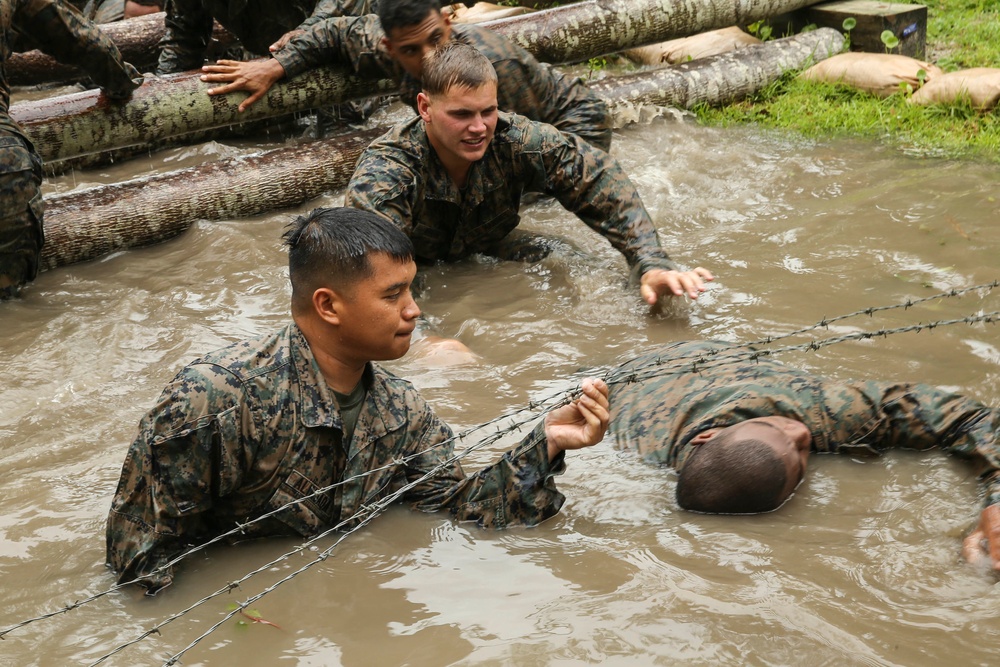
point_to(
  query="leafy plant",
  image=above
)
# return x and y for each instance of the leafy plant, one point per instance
(760, 29)
(596, 65)
(889, 39)
(850, 23)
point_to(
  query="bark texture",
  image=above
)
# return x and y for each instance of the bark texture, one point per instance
(722, 78)
(595, 27)
(172, 107)
(169, 107)
(84, 225)
(137, 38)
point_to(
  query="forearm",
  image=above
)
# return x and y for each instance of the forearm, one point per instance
(326, 9)
(343, 40)
(516, 490)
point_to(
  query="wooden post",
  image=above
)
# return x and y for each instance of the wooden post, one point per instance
(907, 22)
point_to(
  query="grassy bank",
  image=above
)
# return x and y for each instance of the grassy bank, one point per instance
(960, 34)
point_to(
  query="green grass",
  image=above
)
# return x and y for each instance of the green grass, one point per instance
(961, 34)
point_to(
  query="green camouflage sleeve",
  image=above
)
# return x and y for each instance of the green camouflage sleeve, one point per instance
(381, 183)
(326, 9)
(68, 37)
(517, 490)
(920, 416)
(188, 450)
(188, 29)
(355, 41)
(591, 184)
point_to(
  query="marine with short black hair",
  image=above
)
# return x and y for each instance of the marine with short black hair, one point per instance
(263, 425)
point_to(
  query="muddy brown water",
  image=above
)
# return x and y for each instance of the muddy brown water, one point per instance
(862, 567)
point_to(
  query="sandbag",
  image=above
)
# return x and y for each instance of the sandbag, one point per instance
(676, 51)
(880, 74)
(980, 86)
(483, 11)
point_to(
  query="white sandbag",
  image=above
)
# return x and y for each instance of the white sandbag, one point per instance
(483, 11)
(980, 86)
(880, 74)
(678, 51)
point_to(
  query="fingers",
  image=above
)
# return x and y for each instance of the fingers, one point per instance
(245, 104)
(972, 549)
(989, 525)
(658, 282)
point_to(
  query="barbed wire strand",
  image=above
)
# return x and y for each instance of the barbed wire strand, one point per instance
(699, 363)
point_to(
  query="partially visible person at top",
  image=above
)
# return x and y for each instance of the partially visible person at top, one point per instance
(261, 425)
(739, 432)
(453, 178)
(393, 45)
(62, 33)
(257, 24)
(109, 11)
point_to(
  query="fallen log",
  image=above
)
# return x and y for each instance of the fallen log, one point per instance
(172, 107)
(598, 27)
(722, 78)
(87, 224)
(137, 38)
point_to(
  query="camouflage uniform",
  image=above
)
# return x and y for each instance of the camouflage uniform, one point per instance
(400, 176)
(62, 33)
(326, 9)
(256, 23)
(659, 416)
(526, 86)
(252, 427)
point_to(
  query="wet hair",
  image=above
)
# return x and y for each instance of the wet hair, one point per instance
(330, 247)
(456, 64)
(728, 474)
(402, 14)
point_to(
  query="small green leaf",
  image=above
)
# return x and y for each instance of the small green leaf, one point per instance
(850, 23)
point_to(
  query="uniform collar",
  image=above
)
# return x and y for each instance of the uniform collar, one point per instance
(318, 408)
(482, 178)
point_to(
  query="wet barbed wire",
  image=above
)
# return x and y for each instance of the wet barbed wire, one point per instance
(505, 425)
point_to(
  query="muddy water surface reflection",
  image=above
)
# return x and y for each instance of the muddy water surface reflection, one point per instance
(862, 567)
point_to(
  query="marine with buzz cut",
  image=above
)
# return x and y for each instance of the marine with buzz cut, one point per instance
(393, 45)
(739, 428)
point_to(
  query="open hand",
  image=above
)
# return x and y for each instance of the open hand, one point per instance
(659, 282)
(582, 423)
(253, 76)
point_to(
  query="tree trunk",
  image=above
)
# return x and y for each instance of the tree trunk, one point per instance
(87, 224)
(172, 107)
(595, 27)
(137, 38)
(722, 78)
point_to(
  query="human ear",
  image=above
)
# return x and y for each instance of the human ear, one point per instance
(705, 436)
(424, 106)
(327, 304)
